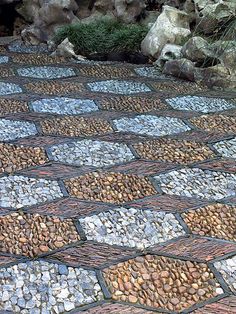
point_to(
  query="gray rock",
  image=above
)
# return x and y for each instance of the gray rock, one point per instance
(63, 270)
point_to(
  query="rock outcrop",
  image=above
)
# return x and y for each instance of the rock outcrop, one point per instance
(171, 26)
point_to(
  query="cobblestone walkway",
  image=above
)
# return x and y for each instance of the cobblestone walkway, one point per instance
(117, 189)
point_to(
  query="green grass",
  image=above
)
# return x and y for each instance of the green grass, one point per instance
(103, 36)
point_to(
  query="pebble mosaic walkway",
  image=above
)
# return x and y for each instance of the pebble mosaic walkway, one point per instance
(117, 189)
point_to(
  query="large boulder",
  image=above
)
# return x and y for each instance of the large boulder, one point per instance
(211, 14)
(169, 52)
(182, 68)
(219, 76)
(91, 10)
(129, 11)
(197, 49)
(29, 9)
(48, 18)
(171, 26)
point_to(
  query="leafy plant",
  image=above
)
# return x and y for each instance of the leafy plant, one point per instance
(103, 36)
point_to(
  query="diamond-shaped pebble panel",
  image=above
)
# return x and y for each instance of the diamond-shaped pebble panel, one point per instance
(12, 129)
(131, 227)
(201, 104)
(119, 87)
(151, 125)
(92, 153)
(39, 286)
(19, 191)
(110, 187)
(161, 282)
(47, 72)
(9, 88)
(33, 234)
(198, 183)
(63, 105)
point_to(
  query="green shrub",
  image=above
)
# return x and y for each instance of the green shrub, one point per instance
(103, 36)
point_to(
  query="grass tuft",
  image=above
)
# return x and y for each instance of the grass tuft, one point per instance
(103, 36)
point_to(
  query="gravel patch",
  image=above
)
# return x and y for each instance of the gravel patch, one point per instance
(92, 153)
(119, 87)
(19, 46)
(201, 104)
(9, 88)
(151, 72)
(131, 227)
(226, 148)
(12, 129)
(63, 105)
(20, 191)
(47, 72)
(40, 287)
(198, 183)
(33, 234)
(171, 284)
(4, 59)
(227, 268)
(151, 125)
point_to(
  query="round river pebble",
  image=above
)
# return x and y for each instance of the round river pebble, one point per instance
(12, 129)
(198, 183)
(110, 187)
(215, 220)
(47, 72)
(15, 157)
(151, 125)
(131, 227)
(92, 153)
(201, 104)
(161, 282)
(63, 105)
(119, 87)
(32, 234)
(39, 287)
(227, 268)
(226, 148)
(20, 191)
(9, 88)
